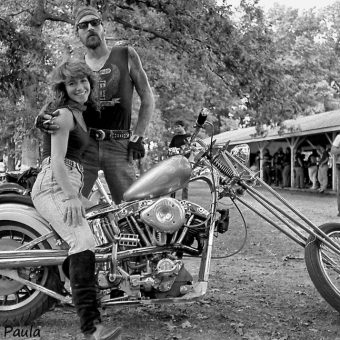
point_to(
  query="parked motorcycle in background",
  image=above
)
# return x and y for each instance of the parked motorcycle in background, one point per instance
(146, 245)
(18, 182)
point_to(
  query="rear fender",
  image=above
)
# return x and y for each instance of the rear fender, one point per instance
(27, 215)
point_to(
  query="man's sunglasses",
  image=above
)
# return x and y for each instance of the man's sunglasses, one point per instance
(85, 24)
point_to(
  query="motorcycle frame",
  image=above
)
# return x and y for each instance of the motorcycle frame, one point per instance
(23, 257)
(295, 225)
(298, 228)
(101, 189)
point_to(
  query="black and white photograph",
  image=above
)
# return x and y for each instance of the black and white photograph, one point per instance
(169, 170)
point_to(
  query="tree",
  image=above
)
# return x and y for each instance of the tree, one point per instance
(267, 68)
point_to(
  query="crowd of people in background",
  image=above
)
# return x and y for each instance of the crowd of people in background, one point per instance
(310, 169)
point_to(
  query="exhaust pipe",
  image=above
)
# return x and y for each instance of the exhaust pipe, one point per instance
(36, 258)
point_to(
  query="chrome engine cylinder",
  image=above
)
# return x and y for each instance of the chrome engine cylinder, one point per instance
(166, 215)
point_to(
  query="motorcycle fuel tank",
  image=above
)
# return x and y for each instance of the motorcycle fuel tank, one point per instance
(163, 178)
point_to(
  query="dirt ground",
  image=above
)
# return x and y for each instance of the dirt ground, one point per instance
(263, 292)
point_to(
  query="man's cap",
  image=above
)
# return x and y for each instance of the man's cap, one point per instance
(84, 11)
(179, 122)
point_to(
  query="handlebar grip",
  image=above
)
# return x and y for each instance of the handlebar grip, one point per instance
(202, 117)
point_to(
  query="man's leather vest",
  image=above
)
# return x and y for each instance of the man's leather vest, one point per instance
(115, 93)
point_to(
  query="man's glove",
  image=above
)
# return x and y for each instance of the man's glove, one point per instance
(136, 148)
(44, 120)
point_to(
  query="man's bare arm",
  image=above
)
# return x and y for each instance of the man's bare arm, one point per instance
(144, 91)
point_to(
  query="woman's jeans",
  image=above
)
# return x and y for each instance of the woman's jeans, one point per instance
(47, 197)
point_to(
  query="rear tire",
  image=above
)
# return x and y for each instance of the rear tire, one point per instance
(323, 265)
(20, 304)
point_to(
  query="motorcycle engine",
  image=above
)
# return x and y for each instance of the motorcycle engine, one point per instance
(166, 215)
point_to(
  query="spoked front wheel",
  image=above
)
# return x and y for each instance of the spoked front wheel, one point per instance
(323, 265)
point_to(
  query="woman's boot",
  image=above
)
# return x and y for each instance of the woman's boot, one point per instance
(84, 294)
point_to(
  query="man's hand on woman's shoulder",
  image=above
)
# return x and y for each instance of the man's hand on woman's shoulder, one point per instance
(45, 122)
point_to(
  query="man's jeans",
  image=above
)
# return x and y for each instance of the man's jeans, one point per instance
(299, 177)
(112, 158)
(286, 176)
(323, 176)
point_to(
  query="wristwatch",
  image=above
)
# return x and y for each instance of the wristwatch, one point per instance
(134, 138)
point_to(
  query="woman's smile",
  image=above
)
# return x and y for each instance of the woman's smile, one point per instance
(78, 89)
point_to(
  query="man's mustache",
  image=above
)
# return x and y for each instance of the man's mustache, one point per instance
(93, 34)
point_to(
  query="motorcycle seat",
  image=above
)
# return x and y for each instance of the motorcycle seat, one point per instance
(11, 188)
(15, 198)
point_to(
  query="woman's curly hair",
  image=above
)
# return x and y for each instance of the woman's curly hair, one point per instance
(73, 69)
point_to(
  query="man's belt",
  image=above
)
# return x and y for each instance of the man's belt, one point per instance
(109, 103)
(102, 134)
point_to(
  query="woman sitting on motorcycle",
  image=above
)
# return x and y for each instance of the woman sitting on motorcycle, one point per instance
(56, 192)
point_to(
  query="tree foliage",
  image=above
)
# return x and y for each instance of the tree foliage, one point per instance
(246, 65)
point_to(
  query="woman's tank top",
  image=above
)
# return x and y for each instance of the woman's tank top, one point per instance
(77, 141)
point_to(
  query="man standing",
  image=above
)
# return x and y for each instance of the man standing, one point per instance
(335, 151)
(313, 168)
(323, 168)
(286, 168)
(298, 169)
(267, 166)
(112, 145)
(278, 165)
(178, 140)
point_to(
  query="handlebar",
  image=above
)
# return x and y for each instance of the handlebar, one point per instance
(202, 117)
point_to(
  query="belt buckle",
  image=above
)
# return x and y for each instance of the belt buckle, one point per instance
(100, 134)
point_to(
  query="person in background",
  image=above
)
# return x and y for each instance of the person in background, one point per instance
(278, 159)
(323, 168)
(56, 193)
(18, 165)
(298, 169)
(5, 160)
(112, 146)
(178, 141)
(2, 165)
(335, 151)
(258, 160)
(255, 166)
(286, 168)
(313, 169)
(267, 166)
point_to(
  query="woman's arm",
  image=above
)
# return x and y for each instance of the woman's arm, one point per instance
(59, 142)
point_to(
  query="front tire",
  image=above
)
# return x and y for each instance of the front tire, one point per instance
(323, 265)
(20, 304)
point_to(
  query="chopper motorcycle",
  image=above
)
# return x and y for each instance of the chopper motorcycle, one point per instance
(146, 244)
